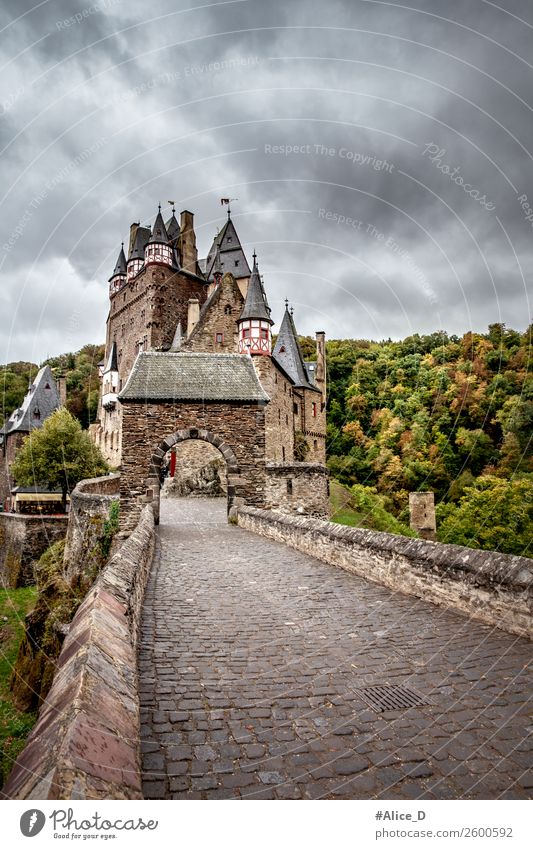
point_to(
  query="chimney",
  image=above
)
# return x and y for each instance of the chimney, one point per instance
(320, 372)
(61, 383)
(133, 233)
(189, 254)
(193, 314)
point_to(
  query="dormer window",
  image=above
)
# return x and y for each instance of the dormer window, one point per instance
(47, 386)
(236, 262)
(229, 238)
(36, 413)
(282, 349)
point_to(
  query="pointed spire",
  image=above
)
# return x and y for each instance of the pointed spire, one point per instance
(112, 363)
(255, 305)
(217, 267)
(159, 232)
(172, 227)
(139, 243)
(287, 350)
(120, 267)
(232, 256)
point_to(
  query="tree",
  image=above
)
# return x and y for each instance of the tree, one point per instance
(494, 514)
(58, 455)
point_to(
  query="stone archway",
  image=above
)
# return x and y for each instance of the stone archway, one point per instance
(232, 466)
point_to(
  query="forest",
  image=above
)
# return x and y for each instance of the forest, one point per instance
(437, 412)
(443, 413)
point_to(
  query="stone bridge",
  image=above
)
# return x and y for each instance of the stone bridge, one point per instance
(267, 674)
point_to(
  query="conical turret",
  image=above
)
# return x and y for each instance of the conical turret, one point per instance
(158, 249)
(118, 278)
(287, 351)
(255, 322)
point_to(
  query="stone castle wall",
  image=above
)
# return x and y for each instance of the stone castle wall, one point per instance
(85, 744)
(90, 503)
(240, 425)
(297, 488)
(279, 415)
(494, 588)
(23, 538)
(225, 306)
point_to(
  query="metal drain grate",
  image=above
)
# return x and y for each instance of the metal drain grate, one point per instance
(392, 697)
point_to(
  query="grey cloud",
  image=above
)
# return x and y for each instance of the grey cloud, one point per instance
(190, 120)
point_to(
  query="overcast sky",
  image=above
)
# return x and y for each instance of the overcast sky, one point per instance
(381, 154)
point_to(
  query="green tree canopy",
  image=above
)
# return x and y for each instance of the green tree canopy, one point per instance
(58, 455)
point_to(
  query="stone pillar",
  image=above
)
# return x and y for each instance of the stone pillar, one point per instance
(61, 382)
(193, 314)
(422, 514)
(320, 373)
(189, 254)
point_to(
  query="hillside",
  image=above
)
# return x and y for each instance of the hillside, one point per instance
(445, 413)
(81, 370)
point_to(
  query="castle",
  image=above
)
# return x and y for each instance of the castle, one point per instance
(189, 355)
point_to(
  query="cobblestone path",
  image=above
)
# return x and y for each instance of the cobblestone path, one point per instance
(251, 662)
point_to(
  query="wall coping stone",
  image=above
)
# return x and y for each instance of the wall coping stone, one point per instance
(488, 585)
(85, 744)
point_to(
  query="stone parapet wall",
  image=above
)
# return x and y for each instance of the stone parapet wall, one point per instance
(85, 744)
(90, 502)
(23, 538)
(494, 588)
(297, 488)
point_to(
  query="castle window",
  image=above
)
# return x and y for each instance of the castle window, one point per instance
(246, 333)
(295, 409)
(315, 444)
(286, 418)
(283, 452)
(263, 333)
(279, 415)
(313, 409)
(227, 309)
(219, 338)
(289, 486)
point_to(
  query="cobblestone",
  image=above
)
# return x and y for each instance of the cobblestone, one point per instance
(251, 659)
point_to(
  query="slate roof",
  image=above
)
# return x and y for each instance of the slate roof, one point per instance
(43, 397)
(159, 233)
(288, 354)
(172, 228)
(166, 376)
(112, 362)
(141, 240)
(231, 252)
(120, 267)
(256, 304)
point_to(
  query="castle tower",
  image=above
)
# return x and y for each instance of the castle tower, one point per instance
(158, 249)
(254, 324)
(118, 278)
(138, 239)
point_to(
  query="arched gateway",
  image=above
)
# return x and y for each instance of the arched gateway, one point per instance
(232, 464)
(214, 397)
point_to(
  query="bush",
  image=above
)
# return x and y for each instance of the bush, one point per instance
(493, 514)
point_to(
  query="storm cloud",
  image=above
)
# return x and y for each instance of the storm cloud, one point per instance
(380, 154)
